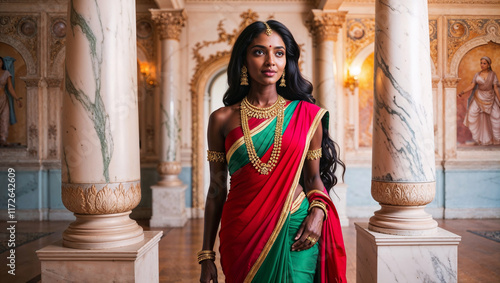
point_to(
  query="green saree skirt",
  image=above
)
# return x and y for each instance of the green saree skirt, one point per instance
(284, 265)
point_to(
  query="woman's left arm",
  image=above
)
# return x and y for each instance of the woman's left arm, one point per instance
(313, 223)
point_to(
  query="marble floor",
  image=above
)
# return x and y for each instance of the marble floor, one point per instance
(478, 257)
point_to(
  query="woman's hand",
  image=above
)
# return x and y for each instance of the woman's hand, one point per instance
(310, 229)
(19, 102)
(208, 272)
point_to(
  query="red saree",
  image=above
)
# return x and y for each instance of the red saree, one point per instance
(258, 205)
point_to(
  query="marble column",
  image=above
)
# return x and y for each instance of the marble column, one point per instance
(169, 207)
(100, 152)
(403, 165)
(100, 142)
(324, 26)
(402, 242)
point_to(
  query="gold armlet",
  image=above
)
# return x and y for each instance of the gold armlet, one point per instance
(312, 192)
(314, 154)
(216, 156)
(205, 255)
(319, 204)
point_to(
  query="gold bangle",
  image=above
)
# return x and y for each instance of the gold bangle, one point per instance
(205, 255)
(314, 154)
(321, 205)
(216, 156)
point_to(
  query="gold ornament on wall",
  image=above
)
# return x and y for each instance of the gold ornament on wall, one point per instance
(463, 30)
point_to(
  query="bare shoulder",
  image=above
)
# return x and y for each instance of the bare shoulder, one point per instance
(221, 118)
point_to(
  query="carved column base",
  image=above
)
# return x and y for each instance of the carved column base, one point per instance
(102, 231)
(169, 206)
(403, 220)
(169, 174)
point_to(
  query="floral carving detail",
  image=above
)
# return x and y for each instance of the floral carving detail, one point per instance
(104, 201)
(52, 131)
(169, 22)
(169, 168)
(394, 193)
(451, 82)
(325, 25)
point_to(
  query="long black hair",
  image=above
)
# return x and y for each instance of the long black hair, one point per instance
(297, 88)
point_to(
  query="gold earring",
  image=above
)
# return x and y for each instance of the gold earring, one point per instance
(283, 82)
(244, 76)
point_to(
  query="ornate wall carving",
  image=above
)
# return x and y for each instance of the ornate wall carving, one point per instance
(21, 32)
(433, 41)
(360, 33)
(57, 38)
(146, 35)
(463, 34)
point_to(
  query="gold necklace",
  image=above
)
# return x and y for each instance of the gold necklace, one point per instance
(263, 113)
(277, 109)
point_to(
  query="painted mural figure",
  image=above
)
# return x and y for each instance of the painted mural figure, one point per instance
(273, 226)
(7, 97)
(483, 106)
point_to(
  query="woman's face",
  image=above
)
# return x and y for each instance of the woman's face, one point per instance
(266, 59)
(484, 65)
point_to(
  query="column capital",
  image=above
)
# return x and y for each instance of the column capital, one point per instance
(169, 22)
(451, 82)
(324, 25)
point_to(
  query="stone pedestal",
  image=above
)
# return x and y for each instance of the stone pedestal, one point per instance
(392, 258)
(169, 206)
(134, 263)
(339, 196)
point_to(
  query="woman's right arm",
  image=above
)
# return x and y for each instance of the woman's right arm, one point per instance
(217, 192)
(469, 88)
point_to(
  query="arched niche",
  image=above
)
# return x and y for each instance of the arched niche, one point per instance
(205, 72)
(451, 82)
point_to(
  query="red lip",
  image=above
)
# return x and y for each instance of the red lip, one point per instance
(269, 73)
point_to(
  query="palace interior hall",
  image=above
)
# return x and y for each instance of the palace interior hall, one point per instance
(104, 176)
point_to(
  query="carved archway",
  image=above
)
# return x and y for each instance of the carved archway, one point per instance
(205, 70)
(199, 84)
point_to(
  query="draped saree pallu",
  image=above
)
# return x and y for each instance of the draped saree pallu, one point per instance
(257, 224)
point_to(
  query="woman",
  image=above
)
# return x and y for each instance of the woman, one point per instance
(483, 106)
(269, 136)
(6, 85)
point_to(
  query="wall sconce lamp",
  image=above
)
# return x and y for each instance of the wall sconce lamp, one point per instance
(352, 80)
(145, 70)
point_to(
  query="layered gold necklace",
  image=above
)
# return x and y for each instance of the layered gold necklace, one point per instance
(277, 109)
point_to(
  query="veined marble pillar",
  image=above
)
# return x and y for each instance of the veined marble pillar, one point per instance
(169, 207)
(402, 242)
(100, 163)
(403, 166)
(324, 26)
